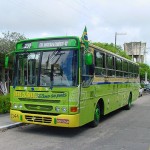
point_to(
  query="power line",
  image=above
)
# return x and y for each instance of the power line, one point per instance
(77, 10)
(37, 12)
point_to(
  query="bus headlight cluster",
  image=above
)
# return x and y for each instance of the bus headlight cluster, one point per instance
(17, 106)
(64, 109)
(20, 106)
(58, 109)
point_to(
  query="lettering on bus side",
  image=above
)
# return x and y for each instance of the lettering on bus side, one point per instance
(35, 95)
(52, 95)
(25, 95)
(58, 95)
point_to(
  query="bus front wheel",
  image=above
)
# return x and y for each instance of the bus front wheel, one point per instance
(96, 120)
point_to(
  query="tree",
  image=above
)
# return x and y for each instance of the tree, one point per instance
(144, 68)
(8, 42)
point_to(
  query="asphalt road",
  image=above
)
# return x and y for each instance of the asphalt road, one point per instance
(121, 130)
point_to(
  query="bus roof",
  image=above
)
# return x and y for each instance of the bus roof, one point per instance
(49, 38)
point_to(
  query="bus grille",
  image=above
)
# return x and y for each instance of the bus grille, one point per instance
(39, 100)
(38, 107)
(38, 119)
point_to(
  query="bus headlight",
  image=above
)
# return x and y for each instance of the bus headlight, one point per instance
(20, 106)
(57, 108)
(15, 106)
(64, 109)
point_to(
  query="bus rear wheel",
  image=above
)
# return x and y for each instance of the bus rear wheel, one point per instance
(96, 120)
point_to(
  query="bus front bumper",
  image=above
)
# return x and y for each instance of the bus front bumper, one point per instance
(48, 120)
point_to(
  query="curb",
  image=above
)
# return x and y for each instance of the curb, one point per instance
(10, 126)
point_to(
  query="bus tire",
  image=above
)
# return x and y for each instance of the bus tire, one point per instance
(128, 106)
(96, 120)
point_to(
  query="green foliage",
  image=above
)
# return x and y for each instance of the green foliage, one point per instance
(8, 43)
(144, 68)
(9, 40)
(4, 103)
(142, 85)
(110, 47)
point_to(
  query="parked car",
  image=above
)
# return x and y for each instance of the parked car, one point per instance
(147, 87)
(140, 91)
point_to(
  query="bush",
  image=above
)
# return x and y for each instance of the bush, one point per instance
(142, 85)
(4, 103)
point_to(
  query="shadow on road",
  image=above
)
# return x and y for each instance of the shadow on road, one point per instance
(64, 132)
(52, 131)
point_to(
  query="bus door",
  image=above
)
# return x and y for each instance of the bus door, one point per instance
(87, 106)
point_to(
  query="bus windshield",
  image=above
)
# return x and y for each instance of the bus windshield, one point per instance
(47, 68)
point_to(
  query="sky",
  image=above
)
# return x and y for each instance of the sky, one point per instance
(103, 18)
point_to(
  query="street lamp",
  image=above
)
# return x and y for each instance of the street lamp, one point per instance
(118, 34)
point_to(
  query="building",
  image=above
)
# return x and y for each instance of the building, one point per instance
(136, 50)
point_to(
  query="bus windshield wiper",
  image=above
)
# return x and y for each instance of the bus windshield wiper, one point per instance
(52, 76)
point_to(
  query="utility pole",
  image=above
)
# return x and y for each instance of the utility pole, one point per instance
(145, 52)
(116, 37)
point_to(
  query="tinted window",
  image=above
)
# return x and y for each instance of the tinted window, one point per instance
(99, 59)
(100, 63)
(118, 67)
(109, 61)
(125, 68)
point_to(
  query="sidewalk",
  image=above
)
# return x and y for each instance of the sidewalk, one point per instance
(6, 123)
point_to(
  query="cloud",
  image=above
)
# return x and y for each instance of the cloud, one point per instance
(33, 16)
(103, 18)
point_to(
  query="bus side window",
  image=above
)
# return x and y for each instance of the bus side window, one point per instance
(110, 65)
(130, 70)
(119, 67)
(135, 71)
(100, 69)
(125, 68)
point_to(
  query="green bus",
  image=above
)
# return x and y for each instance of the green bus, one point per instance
(59, 83)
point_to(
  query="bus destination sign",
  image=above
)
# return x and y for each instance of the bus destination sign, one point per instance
(53, 43)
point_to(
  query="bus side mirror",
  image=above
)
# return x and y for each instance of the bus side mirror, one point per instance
(88, 58)
(6, 61)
